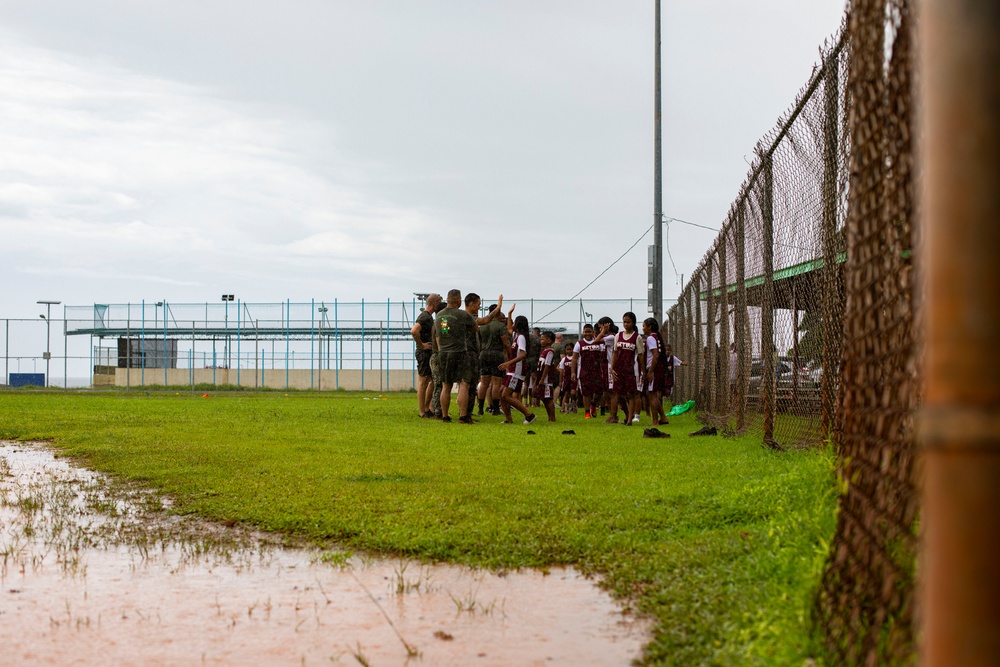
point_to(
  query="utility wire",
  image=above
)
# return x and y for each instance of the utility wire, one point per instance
(693, 224)
(666, 244)
(598, 276)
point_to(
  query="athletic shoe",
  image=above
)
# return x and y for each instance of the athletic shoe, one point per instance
(467, 419)
(635, 419)
(586, 415)
(705, 430)
(529, 419)
(446, 419)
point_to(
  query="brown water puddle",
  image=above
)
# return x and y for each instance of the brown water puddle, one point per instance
(93, 574)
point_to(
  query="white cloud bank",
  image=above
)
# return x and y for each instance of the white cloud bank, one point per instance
(129, 182)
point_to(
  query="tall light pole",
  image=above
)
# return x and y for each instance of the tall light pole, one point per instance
(655, 259)
(48, 335)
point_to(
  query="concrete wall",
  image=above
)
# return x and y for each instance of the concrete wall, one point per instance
(326, 380)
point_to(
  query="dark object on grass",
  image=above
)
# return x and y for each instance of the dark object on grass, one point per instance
(771, 443)
(570, 432)
(531, 433)
(705, 430)
(654, 433)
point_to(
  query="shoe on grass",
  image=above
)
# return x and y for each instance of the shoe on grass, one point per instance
(635, 419)
(529, 419)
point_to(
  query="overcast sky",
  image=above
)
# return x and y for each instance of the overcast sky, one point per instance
(330, 148)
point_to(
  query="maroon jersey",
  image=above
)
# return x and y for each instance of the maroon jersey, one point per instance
(625, 358)
(656, 378)
(592, 365)
(547, 358)
(567, 373)
(517, 346)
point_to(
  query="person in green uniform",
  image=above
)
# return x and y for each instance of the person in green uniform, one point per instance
(493, 345)
(421, 332)
(452, 329)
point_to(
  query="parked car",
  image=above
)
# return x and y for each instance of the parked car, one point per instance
(785, 373)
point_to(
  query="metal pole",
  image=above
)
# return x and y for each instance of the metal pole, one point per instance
(163, 353)
(142, 347)
(388, 318)
(960, 150)
(66, 351)
(831, 294)
(767, 303)
(288, 337)
(337, 345)
(239, 338)
(657, 182)
(362, 344)
(312, 344)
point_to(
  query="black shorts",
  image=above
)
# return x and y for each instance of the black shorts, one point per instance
(471, 375)
(489, 363)
(423, 363)
(454, 366)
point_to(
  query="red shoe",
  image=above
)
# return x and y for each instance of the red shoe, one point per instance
(587, 415)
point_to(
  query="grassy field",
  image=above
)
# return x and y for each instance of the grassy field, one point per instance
(718, 539)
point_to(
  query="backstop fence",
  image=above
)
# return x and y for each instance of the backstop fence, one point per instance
(799, 322)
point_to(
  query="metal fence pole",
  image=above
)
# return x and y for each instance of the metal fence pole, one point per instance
(696, 357)
(362, 344)
(65, 350)
(725, 394)
(961, 415)
(832, 326)
(768, 379)
(239, 339)
(338, 346)
(711, 361)
(744, 349)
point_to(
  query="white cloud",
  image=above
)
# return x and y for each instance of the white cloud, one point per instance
(106, 174)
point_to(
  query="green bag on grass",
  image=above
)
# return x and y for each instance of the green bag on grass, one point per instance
(680, 409)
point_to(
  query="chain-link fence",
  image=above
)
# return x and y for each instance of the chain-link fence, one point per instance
(759, 320)
(799, 322)
(318, 344)
(866, 603)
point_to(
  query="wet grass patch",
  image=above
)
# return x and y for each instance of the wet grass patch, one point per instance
(717, 538)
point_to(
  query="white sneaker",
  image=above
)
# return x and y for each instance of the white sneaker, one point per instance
(635, 419)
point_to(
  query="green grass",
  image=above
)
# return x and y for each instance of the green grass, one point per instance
(720, 540)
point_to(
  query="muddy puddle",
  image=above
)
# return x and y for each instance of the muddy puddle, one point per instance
(92, 573)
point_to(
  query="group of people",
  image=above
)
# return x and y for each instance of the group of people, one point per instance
(497, 359)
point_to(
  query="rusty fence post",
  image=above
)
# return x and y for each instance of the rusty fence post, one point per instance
(960, 424)
(767, 349)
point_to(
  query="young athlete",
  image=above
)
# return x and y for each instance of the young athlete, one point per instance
(653, 377)
(670, 362)
(611, 329)
(624, 370)
(588, 366)
(515, 367)
(546, 374)
(567, 393)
